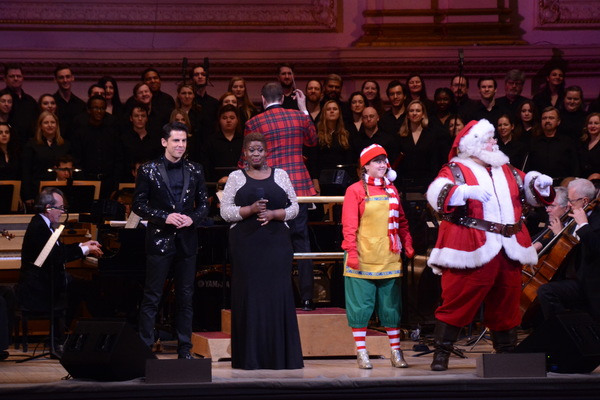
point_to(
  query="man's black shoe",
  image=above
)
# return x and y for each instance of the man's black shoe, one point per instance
(185, 356)
(307, 305)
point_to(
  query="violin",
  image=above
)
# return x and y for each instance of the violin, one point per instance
(6, 234)
(551, 259)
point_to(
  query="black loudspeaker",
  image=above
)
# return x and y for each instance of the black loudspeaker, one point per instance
(105, 351)
(571, 342)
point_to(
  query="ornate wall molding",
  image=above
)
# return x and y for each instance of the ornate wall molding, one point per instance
(178, 16)
(567, 14)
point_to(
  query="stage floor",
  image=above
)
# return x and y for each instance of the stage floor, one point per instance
(320, 379)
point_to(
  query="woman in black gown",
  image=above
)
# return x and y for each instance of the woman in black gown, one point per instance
(257, 200)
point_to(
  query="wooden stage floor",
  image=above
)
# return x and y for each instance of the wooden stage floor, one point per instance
(320, 379)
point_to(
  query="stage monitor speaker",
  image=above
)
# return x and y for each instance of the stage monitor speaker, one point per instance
(570, 340)
(105, 351)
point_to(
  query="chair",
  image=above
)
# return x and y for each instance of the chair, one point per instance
(10, 193)
(95, 184)
(22, 318)
(126, 185)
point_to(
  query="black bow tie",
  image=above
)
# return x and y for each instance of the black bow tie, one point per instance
(176, 165)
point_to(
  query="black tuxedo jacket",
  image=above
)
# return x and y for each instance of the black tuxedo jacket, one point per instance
(154, 201)
(587, 261)
(35, 282)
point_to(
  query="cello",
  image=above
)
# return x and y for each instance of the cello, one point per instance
(551, 259)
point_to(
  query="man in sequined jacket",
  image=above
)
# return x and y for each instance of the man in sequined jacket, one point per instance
(170, 193)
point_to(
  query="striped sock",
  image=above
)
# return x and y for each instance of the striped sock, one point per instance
(394, 336)
(360, 335)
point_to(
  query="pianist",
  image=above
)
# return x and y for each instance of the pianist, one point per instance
(34, 288)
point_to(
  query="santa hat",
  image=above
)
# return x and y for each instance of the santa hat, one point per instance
(471, 139)
(372, 151)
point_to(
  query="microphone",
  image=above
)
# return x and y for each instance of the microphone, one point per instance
(260, 193)
(184, 67)
(461, 58)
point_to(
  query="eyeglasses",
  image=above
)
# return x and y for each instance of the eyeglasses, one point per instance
(61, 208)
(575, 200)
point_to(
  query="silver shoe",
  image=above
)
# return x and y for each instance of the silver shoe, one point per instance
(397, 359)
(362, 358)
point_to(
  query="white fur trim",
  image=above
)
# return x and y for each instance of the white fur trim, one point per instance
(433, 192)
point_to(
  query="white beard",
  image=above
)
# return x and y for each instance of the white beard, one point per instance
(495, 158)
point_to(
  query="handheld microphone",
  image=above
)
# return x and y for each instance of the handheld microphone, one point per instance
(260, 193)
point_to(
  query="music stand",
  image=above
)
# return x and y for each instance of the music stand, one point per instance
(10, 192)
(39, 262)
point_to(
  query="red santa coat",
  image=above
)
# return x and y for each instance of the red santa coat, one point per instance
(459, 246)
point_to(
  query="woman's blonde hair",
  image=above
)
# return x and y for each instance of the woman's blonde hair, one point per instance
(39, 136)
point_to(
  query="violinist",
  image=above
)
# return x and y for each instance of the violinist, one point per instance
(579, 292)
(557, 211)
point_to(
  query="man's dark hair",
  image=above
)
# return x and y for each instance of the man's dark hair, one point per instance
(487, 78)
(67, 158)
(395, 83)
(272, 92)
(281, 65)
(173, 126)
(60, 67)
(151, 69)
(94, 85)
(139, 106)
(12, 66)
(461, 76)
(94, 97)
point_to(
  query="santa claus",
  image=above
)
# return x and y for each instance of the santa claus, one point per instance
(482, 241)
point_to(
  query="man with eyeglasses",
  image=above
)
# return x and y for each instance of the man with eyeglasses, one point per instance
(513, 87)
(35, 283)
(556, 211)
(580, 290)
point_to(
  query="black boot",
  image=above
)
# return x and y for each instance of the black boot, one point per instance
(504, 341)
(445, 336)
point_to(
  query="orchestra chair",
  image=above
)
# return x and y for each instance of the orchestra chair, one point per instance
(10, 193)
(59, 184)
(126, 185)
(22, 318)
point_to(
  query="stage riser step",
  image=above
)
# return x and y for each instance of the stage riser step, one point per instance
(323, 333)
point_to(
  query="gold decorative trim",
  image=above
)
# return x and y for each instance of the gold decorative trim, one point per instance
(180, 16)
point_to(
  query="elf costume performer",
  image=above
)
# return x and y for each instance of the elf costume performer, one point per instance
(375, 232)
(482, 240)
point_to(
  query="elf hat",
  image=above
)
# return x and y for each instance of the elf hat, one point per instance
(372, 151)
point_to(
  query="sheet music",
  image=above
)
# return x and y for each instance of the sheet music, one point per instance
(48, 247)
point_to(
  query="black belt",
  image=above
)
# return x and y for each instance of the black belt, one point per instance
(506, 230)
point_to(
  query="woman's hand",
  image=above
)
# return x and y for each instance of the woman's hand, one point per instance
(265, 216)
(259, 206)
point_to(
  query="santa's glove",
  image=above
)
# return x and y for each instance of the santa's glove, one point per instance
(352, 262)
(542, 184)
(476, 193)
